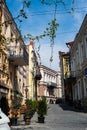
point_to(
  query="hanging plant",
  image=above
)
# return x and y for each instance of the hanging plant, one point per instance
(50, 31)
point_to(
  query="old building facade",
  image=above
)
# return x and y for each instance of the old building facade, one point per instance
(65, 74)
(50, 84)
(13, 57)
(79, 63)
(34, 72)
(78, 67)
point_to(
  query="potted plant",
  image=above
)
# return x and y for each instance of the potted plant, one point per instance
(14, 109)
(41, 110)
(27, 115)
(14, 117)
(34, 105)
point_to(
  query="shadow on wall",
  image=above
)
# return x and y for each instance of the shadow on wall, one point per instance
(67, 107)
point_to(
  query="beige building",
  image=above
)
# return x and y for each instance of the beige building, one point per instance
(66, 77)
(14, 55)
(78, 68)
(4, 73)
(50, 84)
(31, 71)
(34, 73)
(79, 64)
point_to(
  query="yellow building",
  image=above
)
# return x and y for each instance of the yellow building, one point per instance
(13, 58)
(65, 73)
(34, 72)
(4, 73)
(4, 68)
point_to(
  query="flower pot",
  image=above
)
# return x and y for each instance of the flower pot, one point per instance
(27, 120)
(13, 121)
(41, 119)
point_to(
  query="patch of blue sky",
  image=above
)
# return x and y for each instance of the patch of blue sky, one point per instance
(38, 17)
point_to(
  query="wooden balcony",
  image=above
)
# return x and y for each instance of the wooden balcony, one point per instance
(17, 55)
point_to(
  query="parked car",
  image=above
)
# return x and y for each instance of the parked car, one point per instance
(4, 121)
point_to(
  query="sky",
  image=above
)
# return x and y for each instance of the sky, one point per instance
(38, 18)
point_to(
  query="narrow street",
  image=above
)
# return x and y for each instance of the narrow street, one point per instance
(64, 118)
(59, 117)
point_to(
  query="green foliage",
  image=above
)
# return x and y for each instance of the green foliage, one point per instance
(30, 106)
(44, 98)
(26, 3)
(23, 13)
(49, 32)
(17, 99)
(34, 105)
(28, 103)
(42, 107)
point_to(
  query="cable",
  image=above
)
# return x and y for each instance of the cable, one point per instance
(57, 11)
(67, 32)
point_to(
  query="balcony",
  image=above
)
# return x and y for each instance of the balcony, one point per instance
(51, 85)
(37, 74)
(17, 55)
(67, 75)
(70, 76)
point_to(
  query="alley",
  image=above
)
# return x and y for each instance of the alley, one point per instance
(65, 118)
(59, 117)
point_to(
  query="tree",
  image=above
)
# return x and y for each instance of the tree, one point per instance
(49, 31)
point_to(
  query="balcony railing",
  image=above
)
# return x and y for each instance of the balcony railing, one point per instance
(51, 84)
(70, 74)
(67, 75)
(37, 74)
(17, 55)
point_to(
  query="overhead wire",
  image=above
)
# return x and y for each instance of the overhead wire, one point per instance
(57, 10)
(72, 31)
(66, 11)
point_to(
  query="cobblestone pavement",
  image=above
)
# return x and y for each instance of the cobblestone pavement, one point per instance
(59, 117)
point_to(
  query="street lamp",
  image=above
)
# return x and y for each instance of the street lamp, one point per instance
(26, 91)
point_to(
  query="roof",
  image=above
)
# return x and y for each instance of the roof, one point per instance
(31, 43)
(70, 44)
